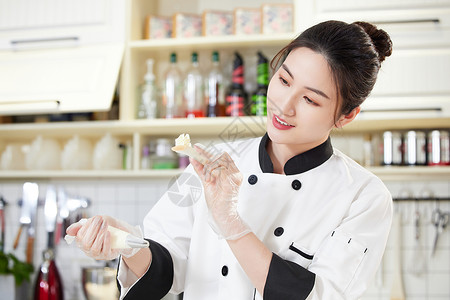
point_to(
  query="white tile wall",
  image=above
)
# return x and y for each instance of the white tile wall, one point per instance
(130, 200)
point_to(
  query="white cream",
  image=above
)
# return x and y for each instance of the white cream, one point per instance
(119, 239)
(183, 140)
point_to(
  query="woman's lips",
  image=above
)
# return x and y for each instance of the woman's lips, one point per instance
(280, 123)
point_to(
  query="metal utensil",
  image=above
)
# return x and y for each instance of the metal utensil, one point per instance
(50, 213)
(25, 218)
(31, 196)
(2, 224)
(48, 283)
(418, 263)
(440, 221)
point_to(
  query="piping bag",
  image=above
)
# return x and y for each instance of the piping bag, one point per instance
(183, 146)
(119, 239)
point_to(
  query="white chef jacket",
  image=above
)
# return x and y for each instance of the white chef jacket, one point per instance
(326, 221)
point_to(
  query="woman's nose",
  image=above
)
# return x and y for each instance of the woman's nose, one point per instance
(285, 106)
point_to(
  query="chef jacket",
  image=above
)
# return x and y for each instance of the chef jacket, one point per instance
(326, 221)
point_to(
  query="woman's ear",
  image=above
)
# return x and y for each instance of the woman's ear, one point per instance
(345, 119)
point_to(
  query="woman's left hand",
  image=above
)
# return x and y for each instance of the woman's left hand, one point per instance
(221, 182)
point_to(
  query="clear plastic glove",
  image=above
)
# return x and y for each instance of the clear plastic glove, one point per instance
(221, 181)
(94, 239)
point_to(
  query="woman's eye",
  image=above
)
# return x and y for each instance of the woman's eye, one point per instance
(309, 101)
(283, 81)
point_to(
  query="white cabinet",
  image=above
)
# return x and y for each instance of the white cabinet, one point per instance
(413, 82)
(59, 56)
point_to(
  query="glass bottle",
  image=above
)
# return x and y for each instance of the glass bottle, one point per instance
(214, 92)
(172, 99)
(193, 90)
(148, 104)
(48, 284)
(236, 96)
(259, 98)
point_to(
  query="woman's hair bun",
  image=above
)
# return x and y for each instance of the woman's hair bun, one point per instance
(380, 39)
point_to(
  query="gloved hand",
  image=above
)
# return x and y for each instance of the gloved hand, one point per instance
(221, 181)
(94, 239)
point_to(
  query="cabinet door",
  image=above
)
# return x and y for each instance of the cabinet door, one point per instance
(412, 83)
(59, 56)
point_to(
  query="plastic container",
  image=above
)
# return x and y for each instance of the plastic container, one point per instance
(77, 154)
(13, 158)
(43, 154)
(107, 154)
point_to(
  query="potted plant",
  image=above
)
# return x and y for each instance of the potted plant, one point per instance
(13, 269)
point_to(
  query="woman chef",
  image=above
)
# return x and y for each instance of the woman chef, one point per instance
(283, 216)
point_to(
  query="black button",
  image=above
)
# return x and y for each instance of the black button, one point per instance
(296, 185)
(279, 231)
(224, 271)
(252, 179)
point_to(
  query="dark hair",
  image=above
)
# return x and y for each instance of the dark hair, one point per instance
(354, 53)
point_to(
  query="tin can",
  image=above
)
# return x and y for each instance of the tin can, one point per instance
(421, 148)
(414, 152)
(438, 148)
(392, 148)
(409, 153)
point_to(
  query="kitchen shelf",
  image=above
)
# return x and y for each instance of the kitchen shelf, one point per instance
(211, 127)
(62, 174)
(199, 126)
(400, 173)
(212, 42)
(387, 173)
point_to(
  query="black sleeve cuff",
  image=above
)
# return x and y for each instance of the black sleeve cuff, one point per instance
(287, 280)
(156, 283)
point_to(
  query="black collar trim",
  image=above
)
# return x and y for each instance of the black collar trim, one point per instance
(298, 164)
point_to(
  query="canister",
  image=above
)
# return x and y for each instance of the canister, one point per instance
(414, 148)
(392, 148)
(438, 148)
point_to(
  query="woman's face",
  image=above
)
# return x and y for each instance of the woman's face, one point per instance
(301, 101)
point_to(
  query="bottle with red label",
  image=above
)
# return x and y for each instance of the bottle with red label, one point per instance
(236, 97)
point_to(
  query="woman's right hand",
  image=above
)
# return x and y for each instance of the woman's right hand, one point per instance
(94, 238)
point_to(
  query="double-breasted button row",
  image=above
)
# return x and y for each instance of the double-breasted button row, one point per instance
(296, 184)
(224, 271)
(278, 231)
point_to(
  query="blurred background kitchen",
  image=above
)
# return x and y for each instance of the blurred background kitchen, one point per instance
(93, 93)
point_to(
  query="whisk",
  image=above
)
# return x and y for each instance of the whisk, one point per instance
(418, 264)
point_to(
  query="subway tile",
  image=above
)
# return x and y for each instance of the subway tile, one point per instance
(439, 284)
(130, 200)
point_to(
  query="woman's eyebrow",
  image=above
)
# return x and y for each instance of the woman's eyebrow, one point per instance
(318, 92)
(287, 70)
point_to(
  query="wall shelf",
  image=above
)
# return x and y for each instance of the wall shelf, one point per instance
(210, 42)
(388, 173)
(200, 126)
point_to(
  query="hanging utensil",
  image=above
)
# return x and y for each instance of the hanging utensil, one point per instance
(50, 213)
(397, 290)
(418, 264)
(25, 211)
(440, 221)
(2, 224)
(48, 282)
(30, 195)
